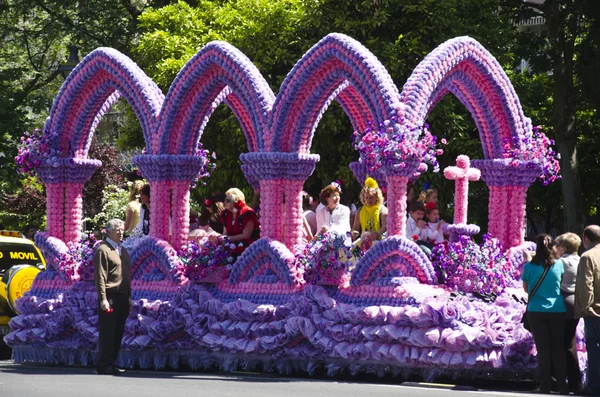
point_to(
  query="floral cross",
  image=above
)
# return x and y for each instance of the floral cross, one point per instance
(462, 174)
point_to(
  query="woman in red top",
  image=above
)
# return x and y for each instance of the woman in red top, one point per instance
(240, 222)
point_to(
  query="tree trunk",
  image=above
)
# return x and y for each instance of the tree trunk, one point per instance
(562, 29)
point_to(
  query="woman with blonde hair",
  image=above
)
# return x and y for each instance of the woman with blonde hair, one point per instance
(240, 222)
(371, 222)
(132, 210)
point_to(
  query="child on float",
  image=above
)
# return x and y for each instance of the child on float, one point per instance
(428, 195)
(415, 227)
(371, 220)
(435, 227)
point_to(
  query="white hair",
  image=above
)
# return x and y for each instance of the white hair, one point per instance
(113, 224)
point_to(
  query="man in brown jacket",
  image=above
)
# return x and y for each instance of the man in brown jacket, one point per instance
(112, 277)
(587, 303)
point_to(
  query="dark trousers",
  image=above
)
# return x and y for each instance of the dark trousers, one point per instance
(111, 329)
(548, 331)
(572, 361)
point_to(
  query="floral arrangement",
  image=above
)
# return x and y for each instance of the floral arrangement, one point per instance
(327, 258)
(466, 266)
(208, 165)
(77, 263)
(394, 144)
(207, 259)
(33, 150)
(535, 148)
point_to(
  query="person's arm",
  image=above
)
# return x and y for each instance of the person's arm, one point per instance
(525, 287)
(245, 234)
(321, 228)
(584, 289)
(383, 226)
(101, 274)
(224, 231)
(525, 278)
(307, 231)
(128, 218)
(345, 220)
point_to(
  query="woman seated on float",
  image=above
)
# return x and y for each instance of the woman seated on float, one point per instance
(433, 233)
(332, 217)
(372, 217)
(240, 222)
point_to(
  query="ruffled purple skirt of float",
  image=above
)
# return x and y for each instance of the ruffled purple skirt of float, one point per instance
(438, 333)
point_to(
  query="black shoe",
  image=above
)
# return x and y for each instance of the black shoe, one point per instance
(119, 370)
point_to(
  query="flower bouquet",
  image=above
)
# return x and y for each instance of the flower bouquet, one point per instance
(466, 266)
(77, 263)
(397, 147)
(208, 259)
(327, 259)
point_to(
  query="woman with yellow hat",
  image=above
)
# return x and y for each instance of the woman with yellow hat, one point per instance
(370, 224)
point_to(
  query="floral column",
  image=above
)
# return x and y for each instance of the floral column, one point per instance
(280, 173)
(64, 179)
(170, 177)
(397, 178)
(508, 180)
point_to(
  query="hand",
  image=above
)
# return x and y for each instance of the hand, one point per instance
(440, 224)
(527, 256)
(420, 223)
(323, 229)
(105, 306)
(355, 234)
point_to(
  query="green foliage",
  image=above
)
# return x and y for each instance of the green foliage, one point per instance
(113, 203)
(24, 207)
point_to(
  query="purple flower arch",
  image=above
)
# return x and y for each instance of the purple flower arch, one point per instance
(462, 66)
(153, 250)
(94, 85)
(219, 72)
(337, 67)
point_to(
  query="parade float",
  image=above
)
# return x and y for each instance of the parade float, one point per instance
(276, 307)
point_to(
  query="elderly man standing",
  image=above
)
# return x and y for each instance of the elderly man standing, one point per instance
(587, 303)
(112, 277)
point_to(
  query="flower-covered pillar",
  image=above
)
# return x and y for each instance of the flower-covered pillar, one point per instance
(508, 180)
(280, 175)
(170, 177)
(397, 177)
(64, 179)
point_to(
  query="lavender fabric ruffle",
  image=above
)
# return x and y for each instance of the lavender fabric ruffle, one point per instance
(441, 332)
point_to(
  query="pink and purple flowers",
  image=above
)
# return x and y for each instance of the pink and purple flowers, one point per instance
(34, 150)
(393, 144)
(535, 148)
(469, 267)
(207, 259)
(327, 258)
(78, 262)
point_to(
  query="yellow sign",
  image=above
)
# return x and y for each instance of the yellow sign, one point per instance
(23, 255)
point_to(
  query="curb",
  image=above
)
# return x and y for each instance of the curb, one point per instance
(426, 385)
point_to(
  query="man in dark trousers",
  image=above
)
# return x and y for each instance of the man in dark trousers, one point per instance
(112, 278)
(587, 304)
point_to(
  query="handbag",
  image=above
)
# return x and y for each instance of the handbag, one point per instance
(524, 319)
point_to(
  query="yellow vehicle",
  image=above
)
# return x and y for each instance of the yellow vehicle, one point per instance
(20, 262)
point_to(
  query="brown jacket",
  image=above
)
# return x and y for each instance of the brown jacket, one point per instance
(112, 273)
(587, 289)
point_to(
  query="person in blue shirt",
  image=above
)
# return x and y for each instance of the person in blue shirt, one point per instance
(546, 313)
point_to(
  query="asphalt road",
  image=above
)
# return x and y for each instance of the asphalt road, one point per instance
(45, 381)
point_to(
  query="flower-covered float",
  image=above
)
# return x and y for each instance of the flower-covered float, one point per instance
(280, 307)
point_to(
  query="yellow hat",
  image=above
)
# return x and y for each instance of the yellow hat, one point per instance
(371, 183)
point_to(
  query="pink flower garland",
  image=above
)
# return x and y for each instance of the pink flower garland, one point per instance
(396, 203)
(293, 213)
(270, 205)
(181, 212)
(54, 209)
(73, 211)
(160, 205)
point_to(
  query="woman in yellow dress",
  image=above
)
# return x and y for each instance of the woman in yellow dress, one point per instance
(371, 222)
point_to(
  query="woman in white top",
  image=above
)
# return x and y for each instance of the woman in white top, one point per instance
(333, 217)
